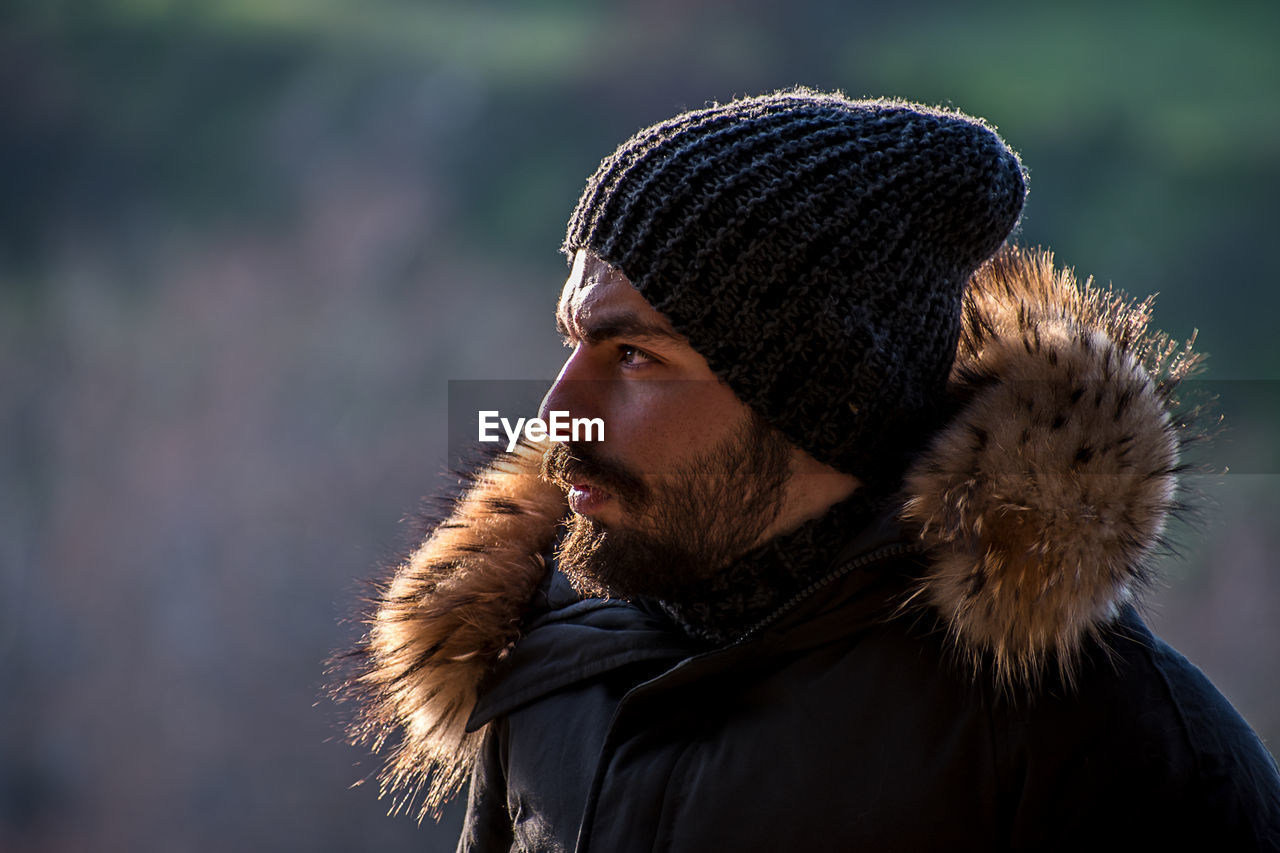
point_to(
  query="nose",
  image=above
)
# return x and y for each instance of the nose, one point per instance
(571, 392)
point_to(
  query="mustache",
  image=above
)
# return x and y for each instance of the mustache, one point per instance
(568, 462)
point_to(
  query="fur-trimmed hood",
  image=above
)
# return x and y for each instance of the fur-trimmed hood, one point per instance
(1040, 504)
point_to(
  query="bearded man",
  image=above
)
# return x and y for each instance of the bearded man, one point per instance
(855, 566)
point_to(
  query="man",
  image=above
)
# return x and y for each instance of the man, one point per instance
(855, 564)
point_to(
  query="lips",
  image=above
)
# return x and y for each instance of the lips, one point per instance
(585, 498)
(590, 481)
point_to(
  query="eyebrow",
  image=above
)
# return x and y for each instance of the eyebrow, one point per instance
(606, 327)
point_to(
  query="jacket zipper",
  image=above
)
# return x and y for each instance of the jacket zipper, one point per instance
(896, 549)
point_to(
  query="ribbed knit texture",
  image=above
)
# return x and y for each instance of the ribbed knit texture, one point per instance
(720, 608)
(814, 250)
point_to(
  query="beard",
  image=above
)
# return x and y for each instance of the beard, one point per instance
(686, 525)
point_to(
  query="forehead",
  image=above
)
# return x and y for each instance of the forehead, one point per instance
(593, 286)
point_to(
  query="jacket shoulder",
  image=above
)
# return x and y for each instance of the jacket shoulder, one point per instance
(1143, 742)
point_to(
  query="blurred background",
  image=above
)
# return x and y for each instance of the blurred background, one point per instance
(245, 246)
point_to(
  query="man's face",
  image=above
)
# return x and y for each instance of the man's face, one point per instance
(687, 477)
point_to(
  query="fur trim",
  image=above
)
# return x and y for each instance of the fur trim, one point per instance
(450, 612)
(1043, 500)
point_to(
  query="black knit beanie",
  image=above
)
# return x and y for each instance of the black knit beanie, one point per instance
(814, 250)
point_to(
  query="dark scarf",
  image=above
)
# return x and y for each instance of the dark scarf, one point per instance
(725, 606)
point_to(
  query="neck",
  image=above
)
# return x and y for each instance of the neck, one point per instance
(720, 608)
(812, 488)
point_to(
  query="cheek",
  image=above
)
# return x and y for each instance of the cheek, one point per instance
(670, 421)
(637, 421)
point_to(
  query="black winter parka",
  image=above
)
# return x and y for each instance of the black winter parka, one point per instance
(844, 727)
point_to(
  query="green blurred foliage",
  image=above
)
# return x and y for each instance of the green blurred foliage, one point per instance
(1150, 129)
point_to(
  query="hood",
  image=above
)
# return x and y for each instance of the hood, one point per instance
(1040, 504)
(450, 612)
(1044, 499)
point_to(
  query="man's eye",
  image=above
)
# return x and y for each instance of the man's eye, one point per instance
(633, 356)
